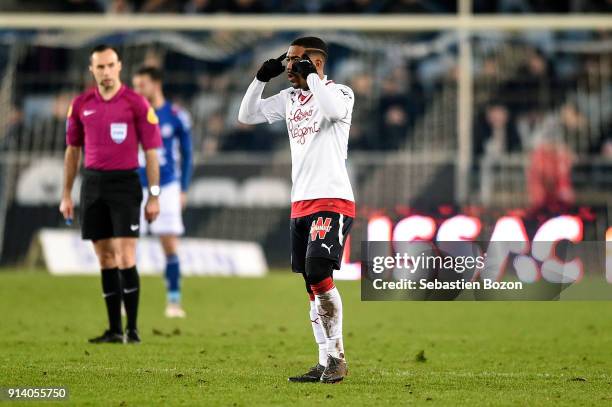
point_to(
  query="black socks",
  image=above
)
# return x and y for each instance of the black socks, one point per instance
(111, 290)
(131, 294)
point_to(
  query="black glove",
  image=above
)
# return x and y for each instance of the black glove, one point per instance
(271, 68)
(303, 67)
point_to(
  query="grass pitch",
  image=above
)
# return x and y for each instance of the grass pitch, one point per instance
(244, 337)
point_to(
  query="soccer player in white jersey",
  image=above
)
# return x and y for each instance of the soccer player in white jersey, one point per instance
(317, 112)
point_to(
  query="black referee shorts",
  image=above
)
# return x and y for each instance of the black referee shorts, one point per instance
(110, 204)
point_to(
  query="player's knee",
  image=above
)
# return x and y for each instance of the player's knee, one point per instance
(126, 259)
(107, 259)
(318, 269)
(169, 244)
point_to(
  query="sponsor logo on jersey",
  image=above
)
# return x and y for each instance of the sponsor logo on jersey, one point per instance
(319, 228)
(299, 126)
(300, 115)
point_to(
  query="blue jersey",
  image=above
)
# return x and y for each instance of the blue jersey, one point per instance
(175, 161)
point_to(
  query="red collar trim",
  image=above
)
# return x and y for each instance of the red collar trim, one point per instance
(305, 100)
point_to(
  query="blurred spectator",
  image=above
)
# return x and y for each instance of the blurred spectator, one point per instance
(53, 61)
(573, 122)
(495, 133)
(397, 108)
(210, 96)
(160, 6)
(606, 148)
(567, 125)
(549, 172)
(213, 132)
(363, 134)
(394, 128)
(201, 6)
(41, 132)
(549, 177)
(531, 89)
(245, 7)
(119, 7)
(14, 127)
(152, 58)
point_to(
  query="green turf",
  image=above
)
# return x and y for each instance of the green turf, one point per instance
(243, 337)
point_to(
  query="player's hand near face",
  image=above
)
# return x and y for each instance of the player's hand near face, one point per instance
(303, 67)
(152, 208)
(271, 68)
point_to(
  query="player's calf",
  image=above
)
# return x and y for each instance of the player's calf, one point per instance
(328, 305)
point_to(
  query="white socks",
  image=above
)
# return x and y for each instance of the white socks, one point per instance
(317, 330)
(328, 307)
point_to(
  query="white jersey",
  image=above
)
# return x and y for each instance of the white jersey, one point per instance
(318, 122)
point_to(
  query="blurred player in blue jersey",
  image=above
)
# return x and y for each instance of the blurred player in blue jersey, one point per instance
(175, 173)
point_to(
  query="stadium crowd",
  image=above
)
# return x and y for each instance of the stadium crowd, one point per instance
(532, 93)
(316, 6)
(539, 95)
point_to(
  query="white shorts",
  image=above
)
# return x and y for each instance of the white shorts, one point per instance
(170, 219)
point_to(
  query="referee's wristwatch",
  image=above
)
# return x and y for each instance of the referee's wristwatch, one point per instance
(154, 190)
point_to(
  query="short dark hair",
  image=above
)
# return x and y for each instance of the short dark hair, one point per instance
(152, 72)
(102, 48)
(313, 44)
